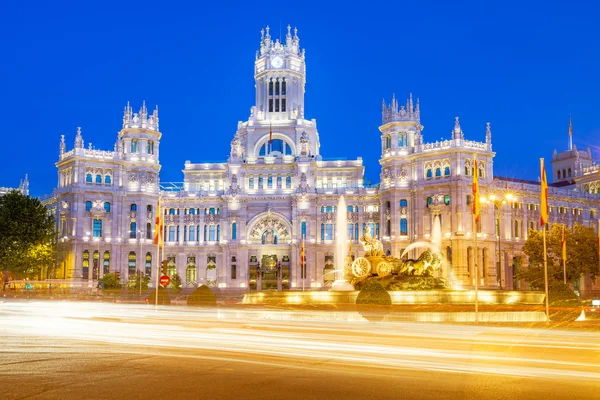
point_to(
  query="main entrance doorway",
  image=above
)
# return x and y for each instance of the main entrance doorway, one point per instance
(271, 273)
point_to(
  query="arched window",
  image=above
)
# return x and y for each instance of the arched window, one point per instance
(356, 231)
(558, 173)
(328, 209)
(288, 181)
(438, 172)
(270, 181)
(171, 211)
(190, 271)
(212, 233)
(148, 264)
(148, 230)
(251, 182)
(134, 146)
(192, 233)
(106, 268)
(218, 233)
(276, 147)
(429, 173)
(98, 178)
(303, 229)
(85, 265)
(564, 173)
(260, 181)
(403, 203)
(192, 211)
(447, 199)
(131, 263)
(133, 207)
(569, 172)
(150, 147)
(132, 230)
(403, 226)
(88, 178)
(429, 201)
(387, 142)
(447, 171)
(322, 209)
(322, 232)
(278, 181)
(205, 233)
(107, 180)
(88, 205)
(234, 231)
(171, 234)
(149, 209)
(107, 206)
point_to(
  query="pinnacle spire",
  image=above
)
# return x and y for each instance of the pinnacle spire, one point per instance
(570, 133)
(488, 133)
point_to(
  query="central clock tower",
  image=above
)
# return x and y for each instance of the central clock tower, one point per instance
(280, 76)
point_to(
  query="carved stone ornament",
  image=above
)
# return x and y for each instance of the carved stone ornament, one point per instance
(65, 205)
(212, 219)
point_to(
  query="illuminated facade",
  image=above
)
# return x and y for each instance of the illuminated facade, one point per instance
(239, 224)
(23, 187)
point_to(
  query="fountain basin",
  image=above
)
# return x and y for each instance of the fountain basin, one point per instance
(398, 297)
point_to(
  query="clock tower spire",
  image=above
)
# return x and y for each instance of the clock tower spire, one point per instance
(280, 76)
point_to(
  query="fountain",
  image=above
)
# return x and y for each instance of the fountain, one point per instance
(341, 248)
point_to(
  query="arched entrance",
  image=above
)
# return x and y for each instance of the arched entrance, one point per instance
(269, 241)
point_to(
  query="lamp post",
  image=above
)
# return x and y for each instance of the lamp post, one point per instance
(141, 262)
(498, 201)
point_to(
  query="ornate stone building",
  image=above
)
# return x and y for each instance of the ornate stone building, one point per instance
(23, 187)
(240, 224)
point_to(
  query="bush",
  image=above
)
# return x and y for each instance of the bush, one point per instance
(110, 281)
(163, 297)
(134, 281)
(202, 296)
(373, 293)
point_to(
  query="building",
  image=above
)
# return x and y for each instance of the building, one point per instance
(23, 187)
(240, 224)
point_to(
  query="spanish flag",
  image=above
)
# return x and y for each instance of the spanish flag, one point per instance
(564, 244)
(544, 196)
(476, 189)
(158, 227)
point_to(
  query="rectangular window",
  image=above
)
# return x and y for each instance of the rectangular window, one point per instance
(303, 229)
(328, 231)
(270, 105)
(97, 228)
(233, 271)
(171, 234)
(283, 87)
(277, 88)
(212, 234)
(283, 105)
(403, 227)
(234, 231)
(192, 231)
(276, 105)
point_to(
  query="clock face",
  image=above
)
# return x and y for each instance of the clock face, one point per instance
(277, 62)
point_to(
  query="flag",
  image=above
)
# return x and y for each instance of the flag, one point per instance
(270, 134)
(543, 196)
(475, 189)
(158, 227)
(564, 244)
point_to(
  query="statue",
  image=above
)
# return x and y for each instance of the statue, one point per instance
(373, 247)
(269, 237)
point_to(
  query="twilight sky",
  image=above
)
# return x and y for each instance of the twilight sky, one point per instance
(523, 66)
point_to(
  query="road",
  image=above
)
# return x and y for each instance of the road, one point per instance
(82, 350)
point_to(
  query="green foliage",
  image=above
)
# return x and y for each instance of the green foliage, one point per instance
(134, 281)
(27, 235)
(202, 296)
(175, 284)
(582, 255)
(110, 281)
(373, 293)
(163, 297)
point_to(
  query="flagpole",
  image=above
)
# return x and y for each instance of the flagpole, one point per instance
(476, 273)
(564, 253)
(544, 222)
(158, 233)
(546, 275)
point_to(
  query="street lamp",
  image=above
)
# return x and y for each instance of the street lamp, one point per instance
(498, 201)
(141, 261)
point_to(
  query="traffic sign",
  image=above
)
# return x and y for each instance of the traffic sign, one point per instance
(165, 280)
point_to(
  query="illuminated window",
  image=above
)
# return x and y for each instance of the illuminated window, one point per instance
(303, 229)
(88, 205)
(288, 181)
(429, 173)
(234, 231)
(88, 178)
(132, 230)
(107, 180)
(438, 172)
(148, 264)
(133, 207)
(403, 227)
(106, 268)
(148, 230)
(97, 228)
(107, 206)
(131, 263)
(98, 178)
(447, 171)
(403, 203)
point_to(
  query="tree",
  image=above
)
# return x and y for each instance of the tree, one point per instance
(582, 255)
(27, 235)
(175, 284)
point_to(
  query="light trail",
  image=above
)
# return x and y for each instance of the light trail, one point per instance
(291, 338)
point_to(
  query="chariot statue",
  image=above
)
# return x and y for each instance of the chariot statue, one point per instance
(373, 247)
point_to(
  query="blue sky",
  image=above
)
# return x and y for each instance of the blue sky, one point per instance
(523, 66)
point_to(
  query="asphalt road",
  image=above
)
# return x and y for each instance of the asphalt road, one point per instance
(72, 350)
